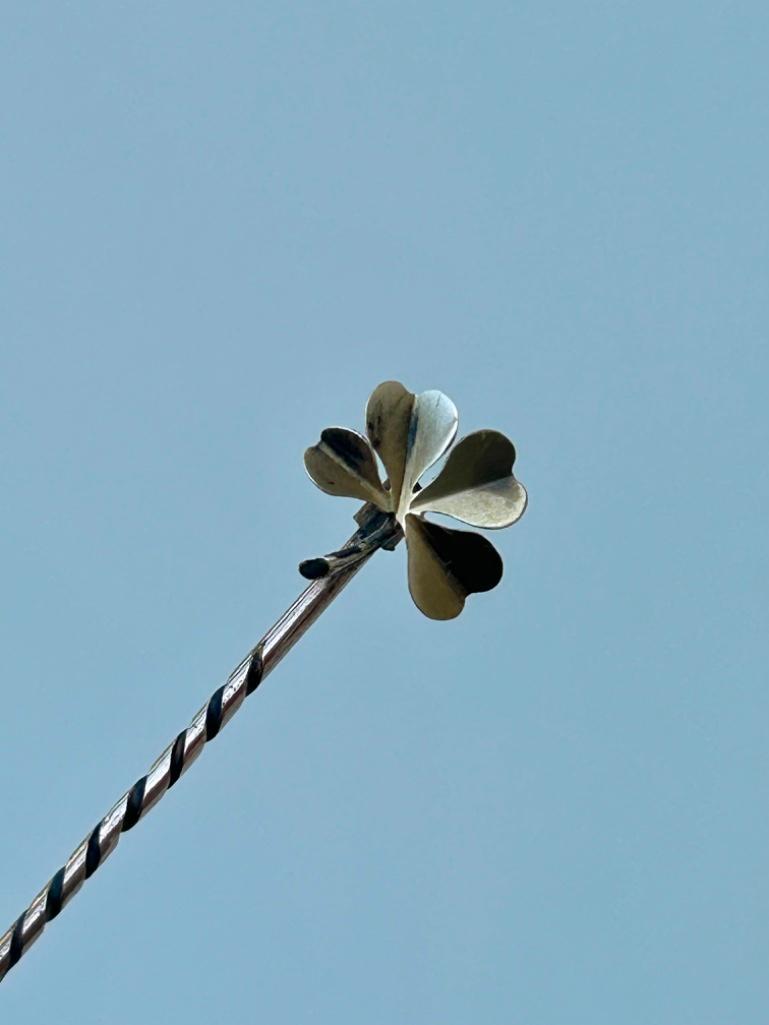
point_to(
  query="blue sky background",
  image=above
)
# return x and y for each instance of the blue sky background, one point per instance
(221, 225)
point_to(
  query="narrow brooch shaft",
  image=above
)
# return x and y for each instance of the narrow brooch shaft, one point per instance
(376, 530)
(383, 532)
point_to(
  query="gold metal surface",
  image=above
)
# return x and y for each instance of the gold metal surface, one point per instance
(342, 463)
(410, 433)
(477, 484)
(388, 417)
(446, 565)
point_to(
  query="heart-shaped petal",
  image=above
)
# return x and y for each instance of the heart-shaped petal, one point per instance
(477, 484)
(342, 463)
(409, 432)
(388, 418)
(447, 565)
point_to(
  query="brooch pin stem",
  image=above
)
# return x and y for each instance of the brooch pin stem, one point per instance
(375, 530)
(380, 530)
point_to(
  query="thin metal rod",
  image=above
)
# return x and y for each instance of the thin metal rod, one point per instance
(182, 752)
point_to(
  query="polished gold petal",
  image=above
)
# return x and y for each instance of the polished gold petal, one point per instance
(342, 463)
(477, 484)
(433, 427)
(447, 565)
(388, 418)
(410, 432)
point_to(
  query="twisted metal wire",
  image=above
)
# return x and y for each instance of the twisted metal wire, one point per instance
(96, 847)
(132, 806)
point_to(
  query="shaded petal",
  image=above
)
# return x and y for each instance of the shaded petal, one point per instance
(477, 484)
(447, 565)
(342, 463)
(410, 432)
(388, 418)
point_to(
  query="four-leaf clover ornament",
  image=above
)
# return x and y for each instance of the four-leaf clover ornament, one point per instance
(476, 485)
(409, 434)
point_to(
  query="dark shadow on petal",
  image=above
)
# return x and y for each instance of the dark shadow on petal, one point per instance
(409, 433)
(388, 418)
(445, 566)
(342, 463)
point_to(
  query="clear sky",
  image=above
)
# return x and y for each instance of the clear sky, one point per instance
(221, 225)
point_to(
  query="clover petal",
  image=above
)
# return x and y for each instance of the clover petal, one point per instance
(409, 432)
(388, 418)
(477, 484)
(445, 566)
(342, 463)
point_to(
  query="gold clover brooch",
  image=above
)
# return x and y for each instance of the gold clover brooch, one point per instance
(409, 433)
